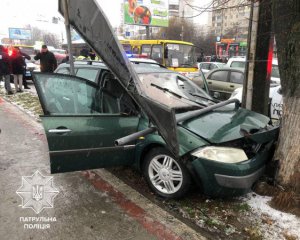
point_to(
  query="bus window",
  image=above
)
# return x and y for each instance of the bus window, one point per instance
(135, 50)
(157, 53)
(127, 48)
(146, 49)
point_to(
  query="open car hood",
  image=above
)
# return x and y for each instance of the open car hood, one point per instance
(91, 23)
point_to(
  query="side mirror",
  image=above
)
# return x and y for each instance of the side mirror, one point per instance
(217, 95)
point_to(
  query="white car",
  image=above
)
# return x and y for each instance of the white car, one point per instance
(207, 66)
(240, 62)
(275, 97)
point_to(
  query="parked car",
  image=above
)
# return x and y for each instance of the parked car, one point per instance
(151, 118)
(222, 82)
(207, 66)
(276, 103)
(240, 62)
(31, 66)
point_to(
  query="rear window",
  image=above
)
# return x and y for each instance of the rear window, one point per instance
(204, 66)
(87, 73)
(28, 50)
(275, 71)
(238, 64)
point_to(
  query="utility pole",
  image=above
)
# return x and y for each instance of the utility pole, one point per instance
(257, 72)
(182, 22)
(147, 32)
(68, 33)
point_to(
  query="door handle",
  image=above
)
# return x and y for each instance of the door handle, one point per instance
(232, 86)
(63, 130)
(209, 82)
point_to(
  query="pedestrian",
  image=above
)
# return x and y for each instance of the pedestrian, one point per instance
(18, 65)
(5, 69)
(25, 56)
(47, 59)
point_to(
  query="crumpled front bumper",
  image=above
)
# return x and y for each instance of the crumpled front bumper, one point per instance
(231, 179)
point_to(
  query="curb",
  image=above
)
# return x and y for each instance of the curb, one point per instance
(140, 208)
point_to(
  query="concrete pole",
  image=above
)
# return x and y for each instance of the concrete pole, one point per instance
(250, 59)
(68, 33)
(147, 32)
(259, 58)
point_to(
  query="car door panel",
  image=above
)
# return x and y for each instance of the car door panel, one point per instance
(80, 136)
(88, 142)
(218, 80)
(236, 80)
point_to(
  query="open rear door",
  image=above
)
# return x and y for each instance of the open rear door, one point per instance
(91, 23)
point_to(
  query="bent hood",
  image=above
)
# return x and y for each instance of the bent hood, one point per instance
(91, 23)
(225, 124)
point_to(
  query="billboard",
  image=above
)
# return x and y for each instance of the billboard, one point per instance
(147, 12)
(19, 33)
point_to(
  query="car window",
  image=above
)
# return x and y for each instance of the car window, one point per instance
(68, 95)
(88, 73)
(204, 66)
(63, 71)
(236, 77)
(213, 66)
(238, 64)
(114, 98)
(275, 71)
(219, 76)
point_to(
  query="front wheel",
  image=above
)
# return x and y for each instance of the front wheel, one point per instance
(165, 175)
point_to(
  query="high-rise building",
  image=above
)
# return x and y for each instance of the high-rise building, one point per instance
(230, 19)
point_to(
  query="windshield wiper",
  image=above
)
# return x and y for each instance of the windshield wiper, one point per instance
(205, 98)
(176, 94)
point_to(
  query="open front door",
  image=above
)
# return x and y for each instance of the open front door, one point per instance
(81, 123)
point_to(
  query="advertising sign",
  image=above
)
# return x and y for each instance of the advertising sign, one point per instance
(19, 33)
(147, 12)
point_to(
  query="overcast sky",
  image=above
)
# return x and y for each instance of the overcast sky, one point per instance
(18, 13)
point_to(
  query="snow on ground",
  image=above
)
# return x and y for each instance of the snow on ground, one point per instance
(273, 224)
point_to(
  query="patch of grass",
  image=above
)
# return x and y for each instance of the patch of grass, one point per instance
(242, 207)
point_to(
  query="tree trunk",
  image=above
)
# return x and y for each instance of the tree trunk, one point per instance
(286, 17)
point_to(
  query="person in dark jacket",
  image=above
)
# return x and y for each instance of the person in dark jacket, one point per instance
(5, 69)
(47, 59)
(25, 55)
(18, 66)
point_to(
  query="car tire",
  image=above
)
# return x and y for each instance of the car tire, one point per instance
(166, 176)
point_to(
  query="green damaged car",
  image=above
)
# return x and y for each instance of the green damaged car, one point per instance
(153, 119)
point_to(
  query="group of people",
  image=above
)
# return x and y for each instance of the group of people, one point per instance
(13, 65)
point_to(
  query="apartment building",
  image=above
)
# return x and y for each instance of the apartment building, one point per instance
(230, 18)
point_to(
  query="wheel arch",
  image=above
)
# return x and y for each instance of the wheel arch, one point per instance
(144, 151)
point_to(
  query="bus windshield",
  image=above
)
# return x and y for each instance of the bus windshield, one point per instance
(180, 55)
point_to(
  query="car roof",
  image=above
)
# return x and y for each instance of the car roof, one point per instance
(228, 69)
(213, 62)
(97, 65)
(143, 60)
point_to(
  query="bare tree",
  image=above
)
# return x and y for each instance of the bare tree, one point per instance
(286, 17)
(174, 31)
(40, 35)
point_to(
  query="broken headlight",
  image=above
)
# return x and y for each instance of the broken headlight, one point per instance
(221, 154)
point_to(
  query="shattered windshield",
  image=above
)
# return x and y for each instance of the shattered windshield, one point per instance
(173, 90)
(180, 55)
